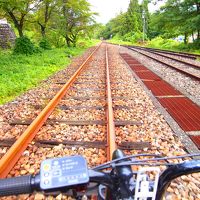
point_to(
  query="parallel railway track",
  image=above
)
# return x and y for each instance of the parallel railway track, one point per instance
(184, 69)
(174, 53)
(183, 110)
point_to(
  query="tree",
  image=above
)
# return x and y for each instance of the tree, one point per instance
(44, 14)
(129, 25)
(178, 17)
(74, 19)
(191, 10)
(145, 16)
(133, 16)
(17, 12)
(156, 25)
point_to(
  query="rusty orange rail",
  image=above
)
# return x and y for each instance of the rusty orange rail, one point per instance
(110, 117)
(12, 156)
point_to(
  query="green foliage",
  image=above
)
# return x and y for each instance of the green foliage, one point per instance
(23, 45)
(55, 39)
(19, 73)
(44, 15)
(190, 47)
(117, 40)
(18, 12)
(129, 25)
(195, 45)
(71, 51)
(159, 42)
(133, 37)
(74, 20)
(97, 33)
(177, 18)
(69, 19)
(44, 44)
(118, 26)
(82, 43)
(134, 16)
(170, 44)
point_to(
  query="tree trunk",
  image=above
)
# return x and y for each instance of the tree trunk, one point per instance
(20, 30)
(42, 29)
(186, 38)
(67, 41)
(198, 12)
(74, 40)
(192, 36)
(18, 25)
(198, 34)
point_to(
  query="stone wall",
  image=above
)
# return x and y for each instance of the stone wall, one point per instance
(7, 35)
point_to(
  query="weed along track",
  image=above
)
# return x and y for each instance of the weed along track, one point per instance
(103, 108)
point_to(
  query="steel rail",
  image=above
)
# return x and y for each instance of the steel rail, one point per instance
(8, 161)
(110, 116)
(176, 53)
(171, 66)
(176, 59)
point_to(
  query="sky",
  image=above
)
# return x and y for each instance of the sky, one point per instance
(108, 9)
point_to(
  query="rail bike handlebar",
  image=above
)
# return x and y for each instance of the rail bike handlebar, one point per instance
(69, 174)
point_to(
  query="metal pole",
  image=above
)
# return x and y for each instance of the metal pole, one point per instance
(143, 17)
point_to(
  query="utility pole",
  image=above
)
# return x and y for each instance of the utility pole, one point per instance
(143, 18)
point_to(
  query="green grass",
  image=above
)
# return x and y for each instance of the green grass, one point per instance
(18, 73)
(165, 44)
(117, 41)
(169, 44)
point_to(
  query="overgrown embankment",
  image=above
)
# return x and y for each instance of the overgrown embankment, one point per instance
(18, 73)
(166, 44)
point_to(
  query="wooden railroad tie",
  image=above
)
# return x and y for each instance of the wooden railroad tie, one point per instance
(89, 82)
(134, 145)
(87, 144)
(79, 98)
(77, 123)
(64, 107)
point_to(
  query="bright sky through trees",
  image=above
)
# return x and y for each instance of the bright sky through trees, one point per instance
(108, 9)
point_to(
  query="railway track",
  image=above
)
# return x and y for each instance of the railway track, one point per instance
(175, 102)
(187, 68)
(174, 57)
(103, 100)
(61, 118)
(173, 53)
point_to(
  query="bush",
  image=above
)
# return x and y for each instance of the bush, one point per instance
(23, 45)
(195, 44)
(70, 51)
(156, 42)
(44, 44)
(133, 37)
(159, 42)
(56, 40)
(82, 44)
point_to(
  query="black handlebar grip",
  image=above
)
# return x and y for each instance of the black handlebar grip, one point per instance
(15, 185)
